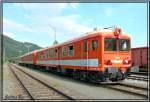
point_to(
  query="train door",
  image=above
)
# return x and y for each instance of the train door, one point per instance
(59, 55)
(56, 56)
(85, 53)
(59, 58)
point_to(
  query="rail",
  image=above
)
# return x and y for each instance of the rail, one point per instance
(13, 68)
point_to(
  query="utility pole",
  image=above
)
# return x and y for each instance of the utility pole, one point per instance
(28, 47)
(55, 41)
(4, 55)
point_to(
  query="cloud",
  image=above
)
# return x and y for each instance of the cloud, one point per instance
(131, 20)
(68, 26)
(9, 34)
(74, 16)
(90, 20)
(64, 24)
(26, 40)
(50, 8)
(108, 12)
(74, 5)
(13, 25)
(26, 5)
(54, 9)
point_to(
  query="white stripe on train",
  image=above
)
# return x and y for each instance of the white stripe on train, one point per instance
(79, 62)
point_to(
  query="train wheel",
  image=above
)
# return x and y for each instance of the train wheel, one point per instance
(94, 77)
(119, 76)
(113, 77)
(123, 76)
(76, 75)
(91, 76)
(101, 76)
(83, 75)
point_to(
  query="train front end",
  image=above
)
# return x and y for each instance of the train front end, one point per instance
(116, 55)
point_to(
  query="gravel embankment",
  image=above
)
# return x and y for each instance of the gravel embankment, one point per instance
(83, 90)
(11, 87)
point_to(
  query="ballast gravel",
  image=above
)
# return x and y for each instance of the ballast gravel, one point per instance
(80, 89)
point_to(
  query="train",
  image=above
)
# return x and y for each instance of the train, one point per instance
(98, 56)
(139, 59)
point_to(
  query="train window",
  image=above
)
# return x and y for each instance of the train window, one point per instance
(85, 46)
(123, 45)
(55, 52)
(38, 56)
(71, 50)
(110, 44)
(51, 53)
(41, 56)
(47, 54)
(44, 54)
(64, 51)
(94, 44)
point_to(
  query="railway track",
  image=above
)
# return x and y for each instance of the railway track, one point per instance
(139, 73)
(37, 89)
(121, 87)
(130, 89)
(138, 77)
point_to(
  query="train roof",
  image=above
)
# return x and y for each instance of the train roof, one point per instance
(31, 52)
(95, 33)
(143, 47)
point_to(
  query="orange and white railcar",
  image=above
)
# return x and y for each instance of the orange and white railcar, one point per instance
(99, 55)
(29, 58)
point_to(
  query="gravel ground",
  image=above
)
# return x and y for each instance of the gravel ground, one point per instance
(11, 87)
(89, 91)
(143, 84)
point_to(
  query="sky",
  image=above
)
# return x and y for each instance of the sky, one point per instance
(37, 22)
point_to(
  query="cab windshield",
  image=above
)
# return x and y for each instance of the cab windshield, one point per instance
(123, 45)
(111, 44)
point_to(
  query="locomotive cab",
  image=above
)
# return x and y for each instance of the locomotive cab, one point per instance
(117, 55)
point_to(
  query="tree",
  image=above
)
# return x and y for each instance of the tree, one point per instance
(55, 42)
